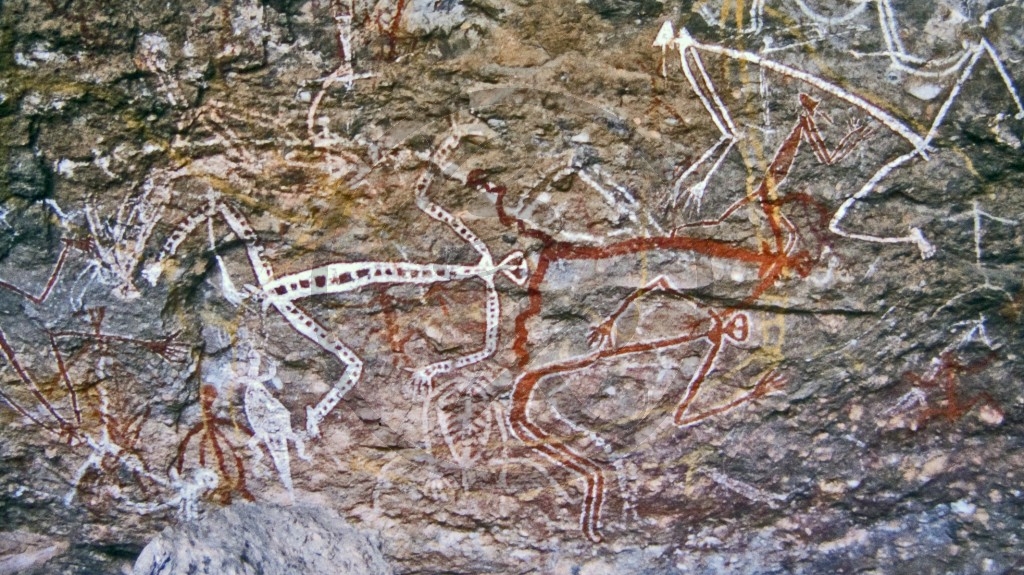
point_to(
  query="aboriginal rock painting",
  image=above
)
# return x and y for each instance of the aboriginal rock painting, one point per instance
(578, 298)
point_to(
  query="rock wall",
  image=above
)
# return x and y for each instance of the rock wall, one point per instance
(562, 286)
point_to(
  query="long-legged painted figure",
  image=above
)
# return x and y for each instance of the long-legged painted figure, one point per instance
(686, 44)
(704, 325)
(697, 75)
(775, 260)
(282, 292)
(784, 233)
(716, 328)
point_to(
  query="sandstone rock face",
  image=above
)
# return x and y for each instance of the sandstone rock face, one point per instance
(559, 287)
(247, 539)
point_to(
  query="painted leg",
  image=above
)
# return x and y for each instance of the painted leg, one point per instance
(309, 327)
(423, 378)
(593, 498)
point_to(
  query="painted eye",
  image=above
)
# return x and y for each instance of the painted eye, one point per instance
(739, 327)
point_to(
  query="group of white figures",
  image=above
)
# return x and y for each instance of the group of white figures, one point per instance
(118, 244)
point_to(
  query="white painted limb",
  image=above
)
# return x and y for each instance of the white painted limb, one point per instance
(1007, 80)
(186, 497)
(277, 445)
(423, 377)
(705, 91)
(441, 158)
(309, 327)
(900, 59)
(342, 277)
(610, 198)
(830, 21)
(704, 88)
(978, 214)
(299, 320)
(239, 225)
(756, 16)
(227, 287)
(745, 489)
(180, 233)
(344, 73)
(915, 236)
(696, 192)
(684, 40)
(890, 31)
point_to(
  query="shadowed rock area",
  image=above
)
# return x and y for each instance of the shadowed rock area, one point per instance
(246, 538)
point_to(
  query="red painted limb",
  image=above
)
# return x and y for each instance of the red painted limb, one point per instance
(605, 332)
(539, 440)
(12, 360)
(593, 498)
(693, 388)
(38, 299)
(165, 347)
(806, 129)
(391, 31)
(814, 210)
(768, 383)
(133, 436)
(21, 410)
(83, 245)
(336, 13)
(63, 370)
(946, 377)
(211, 435)
(847, 144)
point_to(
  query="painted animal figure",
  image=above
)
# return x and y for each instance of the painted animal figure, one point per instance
(694, 70)
(283, 292)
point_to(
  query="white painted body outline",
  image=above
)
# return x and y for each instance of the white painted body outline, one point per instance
(271, 424)
(686, 44)
(336, 278)
(270, 421)
(342, 12)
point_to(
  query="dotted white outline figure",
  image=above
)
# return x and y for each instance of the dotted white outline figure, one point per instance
(281, 293)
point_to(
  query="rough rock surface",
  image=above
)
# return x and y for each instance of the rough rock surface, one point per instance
(568, 286)
(245, 539)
